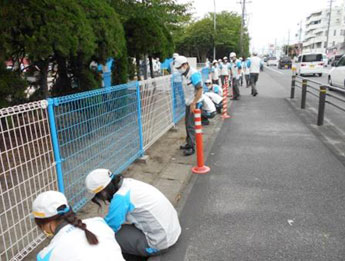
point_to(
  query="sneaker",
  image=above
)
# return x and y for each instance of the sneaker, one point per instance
(185, 147)
(188, 152)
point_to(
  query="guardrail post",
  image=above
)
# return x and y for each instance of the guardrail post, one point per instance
(304, 93)
(293, 84)
(322, 103)
(141, 142)
(55, 143)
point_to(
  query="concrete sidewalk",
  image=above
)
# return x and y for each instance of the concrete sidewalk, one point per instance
(275, 191)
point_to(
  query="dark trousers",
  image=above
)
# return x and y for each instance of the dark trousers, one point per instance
(133, 243)
(247, 77)
(253, 79)
(236, 91)
(190, 131)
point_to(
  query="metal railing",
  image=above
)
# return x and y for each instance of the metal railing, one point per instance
(53, 144)
(319, 91)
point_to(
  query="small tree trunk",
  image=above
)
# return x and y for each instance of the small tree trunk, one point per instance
(43, 82)
(137, 61)
(151, 67)
(145, 68)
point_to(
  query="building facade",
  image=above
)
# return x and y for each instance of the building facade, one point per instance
(316, 25)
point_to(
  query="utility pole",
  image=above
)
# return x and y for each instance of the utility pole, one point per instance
(243, 5)
(288, 42)
(300, 38)
(214, 27)
(329, 23)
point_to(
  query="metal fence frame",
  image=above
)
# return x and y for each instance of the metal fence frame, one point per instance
(108, 127)
(27, 168)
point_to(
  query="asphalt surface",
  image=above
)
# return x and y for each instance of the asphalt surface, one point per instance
(275, 192)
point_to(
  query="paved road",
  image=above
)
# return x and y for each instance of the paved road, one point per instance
(275, 191)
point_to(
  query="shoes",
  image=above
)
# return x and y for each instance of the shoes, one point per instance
(185, 147)
(236, 98)
(188, 152)
(204, 123)
(255, 94)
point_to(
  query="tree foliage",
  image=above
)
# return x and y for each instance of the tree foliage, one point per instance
(199, 37)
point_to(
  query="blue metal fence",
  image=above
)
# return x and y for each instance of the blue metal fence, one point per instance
(72, 135)
(96, 129)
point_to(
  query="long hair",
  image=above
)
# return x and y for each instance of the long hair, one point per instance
(106, 195)
(71, 218)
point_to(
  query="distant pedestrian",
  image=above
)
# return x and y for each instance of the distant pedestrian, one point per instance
(192, 93)
(224, 70)
(236, 68)
(254, 68)
(246, 72)
(242, 74)
(214, 72)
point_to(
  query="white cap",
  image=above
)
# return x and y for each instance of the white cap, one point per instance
(241, 58)
(179, 61)
(175, 55)
(225, 58)
(219, 60)
(97, 180)
(47, 203)
(232, 54)
(214, 61)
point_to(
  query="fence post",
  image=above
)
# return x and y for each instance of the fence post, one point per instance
(322, 103)
(293, 84)
(174, 101)
(304, 93)
(141, 143)
(55, 142)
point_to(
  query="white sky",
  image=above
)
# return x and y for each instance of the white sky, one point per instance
(269, 20)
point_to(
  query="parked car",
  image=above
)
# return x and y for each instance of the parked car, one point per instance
(311, 63)
(272, 61)
(336, 75)
(334, 60)
(285, 62)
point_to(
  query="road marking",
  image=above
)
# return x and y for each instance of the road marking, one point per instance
(273, 70)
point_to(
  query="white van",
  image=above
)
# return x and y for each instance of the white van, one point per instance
(310, 63)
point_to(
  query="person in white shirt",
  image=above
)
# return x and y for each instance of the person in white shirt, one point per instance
(224, 70)
(254, 67)
(208, 109)
(71, 238)
(236, 68)
(214, 72)
(145, 222)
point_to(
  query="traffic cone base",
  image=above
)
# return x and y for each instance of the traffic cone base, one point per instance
(226, 116)
(201, 170)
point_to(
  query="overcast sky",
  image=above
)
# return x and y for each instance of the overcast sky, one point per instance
(269, 20)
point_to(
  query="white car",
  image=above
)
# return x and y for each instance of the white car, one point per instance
(272, 61)
(336, 75)
(311, 63)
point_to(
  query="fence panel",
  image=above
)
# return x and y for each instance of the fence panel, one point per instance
(156, 108)
(179, 109)
(96, 129)
(27, 168)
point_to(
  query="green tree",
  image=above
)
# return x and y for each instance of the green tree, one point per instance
(199, 37)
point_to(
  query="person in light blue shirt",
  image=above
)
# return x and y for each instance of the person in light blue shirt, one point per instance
(145, 222)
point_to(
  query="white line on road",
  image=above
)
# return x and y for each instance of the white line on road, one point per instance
(274, 70)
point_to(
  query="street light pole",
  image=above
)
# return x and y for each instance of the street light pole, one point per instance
(329, 22)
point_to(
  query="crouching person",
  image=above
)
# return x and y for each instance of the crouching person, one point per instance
(71, 238)
(208, 109)
(145, 222)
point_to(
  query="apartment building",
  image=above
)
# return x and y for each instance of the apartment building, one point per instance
(316, 25)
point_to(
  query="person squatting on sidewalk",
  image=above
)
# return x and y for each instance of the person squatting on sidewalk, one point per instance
(236, 74)
(254, 67)
(143, 219)
(71, 238)
(192, 93)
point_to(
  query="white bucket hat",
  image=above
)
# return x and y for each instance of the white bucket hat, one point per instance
(47, 203)
(97, 180)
